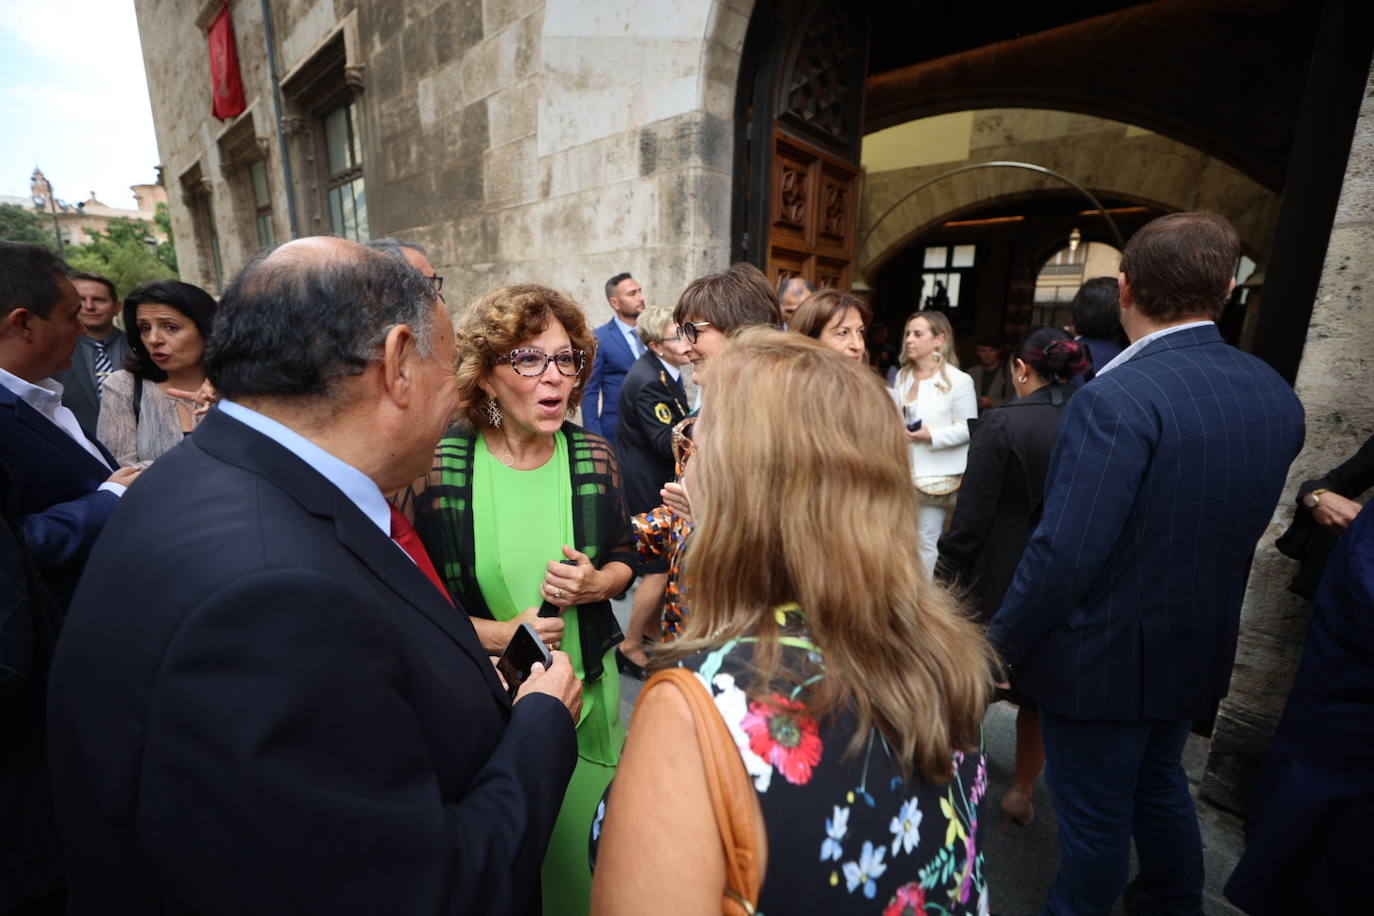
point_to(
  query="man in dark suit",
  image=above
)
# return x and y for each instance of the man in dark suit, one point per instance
(68, 483)
(102, 350)
(280, 709)
(617, 347)
(1122, 617)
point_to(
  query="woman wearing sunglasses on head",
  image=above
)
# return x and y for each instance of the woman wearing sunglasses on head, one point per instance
(523, 507)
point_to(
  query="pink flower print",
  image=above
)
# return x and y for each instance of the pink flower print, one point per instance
(910, 900)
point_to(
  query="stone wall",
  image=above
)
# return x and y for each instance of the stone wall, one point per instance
(547, 141)
(1337, 364)
(1108, 157)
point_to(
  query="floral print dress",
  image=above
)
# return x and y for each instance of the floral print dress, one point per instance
(845, 835)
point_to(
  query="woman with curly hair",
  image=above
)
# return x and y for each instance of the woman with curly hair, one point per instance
(524, 507)
(853, 688)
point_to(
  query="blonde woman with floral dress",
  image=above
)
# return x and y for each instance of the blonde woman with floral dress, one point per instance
(853, 688)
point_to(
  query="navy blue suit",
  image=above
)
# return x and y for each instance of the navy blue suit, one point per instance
(276, 712)
(1307, 836)
(1123, 614)
(601, 402)
(62, 510)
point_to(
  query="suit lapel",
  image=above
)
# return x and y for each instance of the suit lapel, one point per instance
(232, 441)
(44, 428)
(391, 565)
(620, 345)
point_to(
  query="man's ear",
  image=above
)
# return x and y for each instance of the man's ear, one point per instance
(1125, 295)
(17, 323)
(400, 361)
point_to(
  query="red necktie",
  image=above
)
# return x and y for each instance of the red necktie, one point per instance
(403, 533)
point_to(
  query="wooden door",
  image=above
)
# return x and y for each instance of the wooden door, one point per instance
(814, 214)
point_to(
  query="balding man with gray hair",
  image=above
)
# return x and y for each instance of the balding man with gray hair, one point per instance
(281, 708)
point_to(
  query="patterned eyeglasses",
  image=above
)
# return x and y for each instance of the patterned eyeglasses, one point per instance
(692, 329)
(532, 362)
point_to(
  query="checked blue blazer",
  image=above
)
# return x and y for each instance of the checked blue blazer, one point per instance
(1166, 472)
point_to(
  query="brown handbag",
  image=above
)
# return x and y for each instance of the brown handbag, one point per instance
(732, 792)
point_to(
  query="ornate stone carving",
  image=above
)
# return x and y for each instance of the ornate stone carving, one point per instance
(355, 76)
(295, 127)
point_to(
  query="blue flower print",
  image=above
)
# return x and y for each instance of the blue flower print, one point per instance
(865, 871)
(835, 829)
(906, 827)
(596, 821)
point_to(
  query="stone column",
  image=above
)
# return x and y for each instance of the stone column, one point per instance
(1333, 383)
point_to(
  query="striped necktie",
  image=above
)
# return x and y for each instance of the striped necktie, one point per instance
(103, 366)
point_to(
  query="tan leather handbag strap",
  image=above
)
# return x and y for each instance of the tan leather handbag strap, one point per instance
(732, 792)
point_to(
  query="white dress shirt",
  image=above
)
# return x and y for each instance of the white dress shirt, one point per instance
(673, 371)
(46, 398)
(631, 336)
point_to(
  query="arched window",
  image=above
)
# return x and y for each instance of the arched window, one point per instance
(1064, 273)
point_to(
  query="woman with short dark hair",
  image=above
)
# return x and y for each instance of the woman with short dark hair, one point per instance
(168, 324)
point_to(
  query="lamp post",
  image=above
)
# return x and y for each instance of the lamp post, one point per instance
(56, 231)
(999, 164)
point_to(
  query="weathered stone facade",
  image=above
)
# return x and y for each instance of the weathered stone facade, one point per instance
(1337, 364)
(552, 142)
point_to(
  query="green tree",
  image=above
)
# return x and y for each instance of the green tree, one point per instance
(166, 251)
(126, 252)
(24, 226)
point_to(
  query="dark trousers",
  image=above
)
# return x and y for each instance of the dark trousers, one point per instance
(1110, 781)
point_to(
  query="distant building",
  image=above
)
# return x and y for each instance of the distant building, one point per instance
(75, 222)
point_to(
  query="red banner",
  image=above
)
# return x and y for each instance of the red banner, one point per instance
(224, 68)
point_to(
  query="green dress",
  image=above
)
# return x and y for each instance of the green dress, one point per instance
(521, 520)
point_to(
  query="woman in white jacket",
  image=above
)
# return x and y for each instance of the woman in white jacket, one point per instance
(931, 389)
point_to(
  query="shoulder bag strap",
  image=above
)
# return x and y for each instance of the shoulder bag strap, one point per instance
(732, 792)
(138, 397)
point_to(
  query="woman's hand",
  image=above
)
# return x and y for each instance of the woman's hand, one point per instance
(921, 435)
(205, 397)
(674, 496)
(566, 585)
(549, 629)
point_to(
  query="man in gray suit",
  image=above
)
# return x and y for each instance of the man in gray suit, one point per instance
(100, 352)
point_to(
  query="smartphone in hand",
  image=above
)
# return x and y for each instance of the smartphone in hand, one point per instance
(548, 608)
(524, 649)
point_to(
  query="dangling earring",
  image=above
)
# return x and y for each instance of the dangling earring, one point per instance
(493, 410)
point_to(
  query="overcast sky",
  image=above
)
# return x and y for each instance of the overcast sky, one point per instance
(73, 99)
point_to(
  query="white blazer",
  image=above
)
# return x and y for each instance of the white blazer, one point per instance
(945, 414)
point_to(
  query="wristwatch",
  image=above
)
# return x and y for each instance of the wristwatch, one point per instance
(1313, 499)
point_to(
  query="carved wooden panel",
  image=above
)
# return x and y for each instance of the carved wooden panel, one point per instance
(823, 84)
(814, 204)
